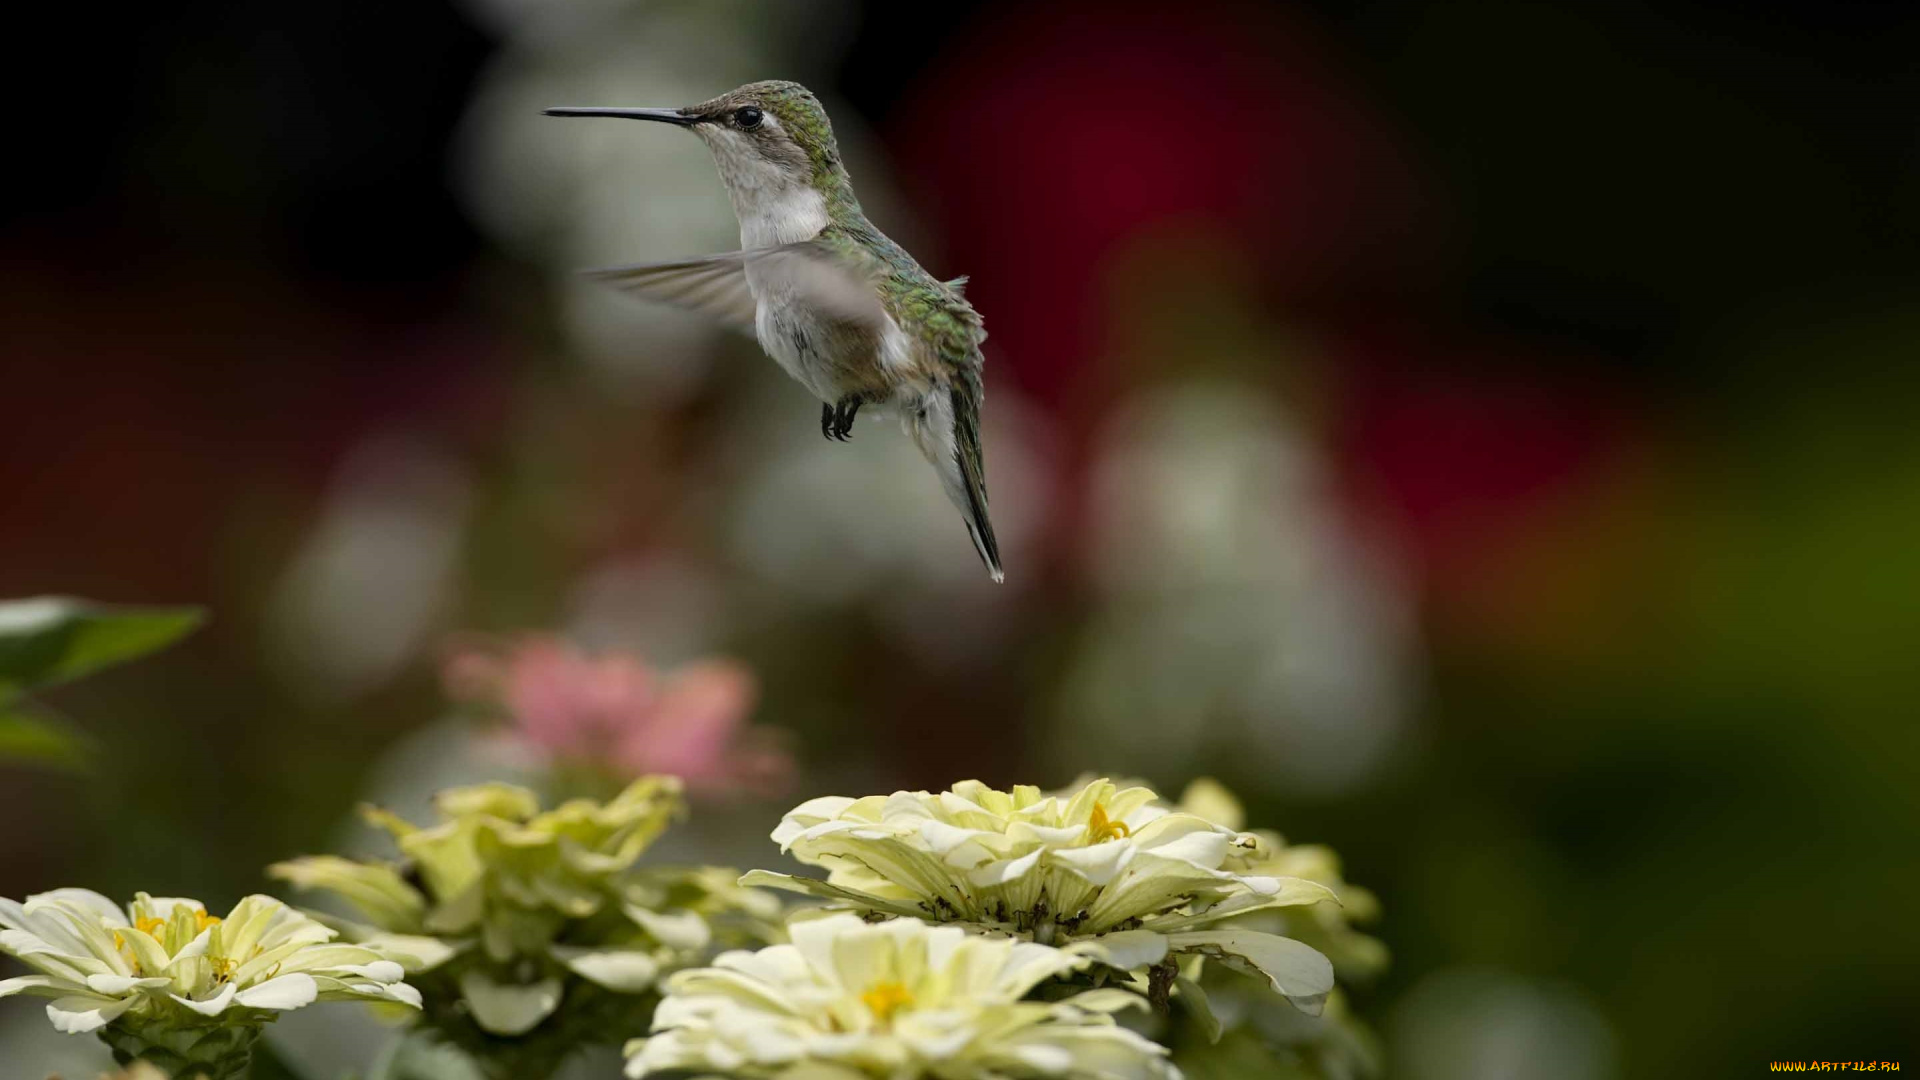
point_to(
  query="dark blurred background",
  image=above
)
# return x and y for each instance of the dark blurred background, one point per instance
(1480, 433)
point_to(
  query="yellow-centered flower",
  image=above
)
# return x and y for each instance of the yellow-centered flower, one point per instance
(886, 998)
(162, 963)
(1104, 870)
(850, 999)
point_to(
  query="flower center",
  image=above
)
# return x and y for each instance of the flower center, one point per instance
(1101, 829)
(884, 999)
(132, 958)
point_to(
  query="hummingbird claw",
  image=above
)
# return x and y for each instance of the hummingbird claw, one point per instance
(843, 414)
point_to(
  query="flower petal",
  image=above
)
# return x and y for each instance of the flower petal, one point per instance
(354, 988)
(767, 879)
(33, 984)
(23, 943)
(807, 814)
(1107, 1000)
(1296, 969)
(116, 985)
(414, 952)
(79, 1014)
(212, 1006)
(1126, 950)
(683, 930)
(196, 947)
(507, 1008)
(626, 970)
(51, 915)
(1006, 870)
(377, 890)
(17, 924)
(87, 900)
(382, 971)
(284, 992)
(147, 952)
(402, 993)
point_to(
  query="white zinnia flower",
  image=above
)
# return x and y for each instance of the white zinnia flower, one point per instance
(163, 977)
(849, 999)
(1107, 870)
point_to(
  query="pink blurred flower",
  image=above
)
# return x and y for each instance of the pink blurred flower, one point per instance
(615, 712)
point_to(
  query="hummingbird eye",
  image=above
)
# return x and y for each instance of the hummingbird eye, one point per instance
(747, 117)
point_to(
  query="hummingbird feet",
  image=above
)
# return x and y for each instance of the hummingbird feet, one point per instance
(836, 421)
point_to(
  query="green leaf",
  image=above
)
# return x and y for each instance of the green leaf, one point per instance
(51, 639)
(36, 737)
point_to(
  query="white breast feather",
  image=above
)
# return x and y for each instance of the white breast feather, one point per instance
(774, 205)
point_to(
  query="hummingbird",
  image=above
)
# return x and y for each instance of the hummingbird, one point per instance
(843, 309)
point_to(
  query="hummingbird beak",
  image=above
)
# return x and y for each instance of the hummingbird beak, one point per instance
(664, 116)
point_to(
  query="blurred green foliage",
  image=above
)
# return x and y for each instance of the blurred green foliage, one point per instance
(49, 640)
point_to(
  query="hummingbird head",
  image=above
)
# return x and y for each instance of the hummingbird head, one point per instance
(771, 141)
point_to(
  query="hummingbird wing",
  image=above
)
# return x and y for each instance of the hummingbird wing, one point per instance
(712, 285)
(716, 285)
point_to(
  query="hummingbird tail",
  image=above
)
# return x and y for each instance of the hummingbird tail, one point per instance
(947, 428)
(980, 530)
(972, 465)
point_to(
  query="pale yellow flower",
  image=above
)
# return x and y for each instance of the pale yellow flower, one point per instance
(1107, 871)
(849, 1000)
(522, 898)
(162, 975)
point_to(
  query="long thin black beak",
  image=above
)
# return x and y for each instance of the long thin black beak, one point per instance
(665, 116)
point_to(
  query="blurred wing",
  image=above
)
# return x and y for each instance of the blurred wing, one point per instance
(716, 285)
(829, 280)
